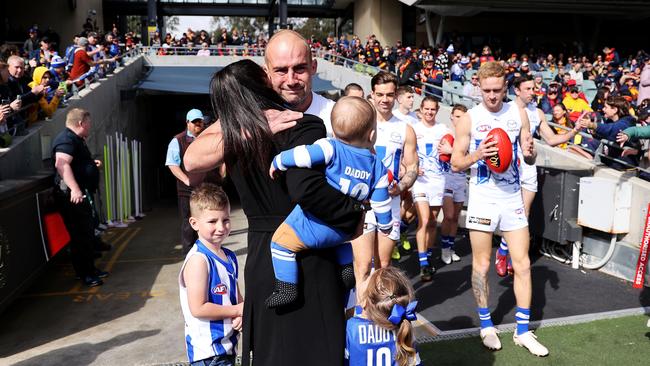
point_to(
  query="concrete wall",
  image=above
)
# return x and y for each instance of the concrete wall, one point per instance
(55, 14)
(28, 154)
(383, 18)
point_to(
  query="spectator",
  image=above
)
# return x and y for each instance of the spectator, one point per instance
(19, 91)
(539, 86)
(617, 118)
(353, 90)
(205, 50)
(574, 103)
(472, 89)
(442, 61)
(599, 100)
(560, 116)
(31, 45)
(431, 75)
(82, 68)
(458, 69)
(644, 81)
(49, 98)
(550, 99)
(246, 39)
(611, 55)
(69, 53)
(76, 179)
(576, 74)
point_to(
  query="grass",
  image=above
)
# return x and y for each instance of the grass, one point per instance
(621, 342)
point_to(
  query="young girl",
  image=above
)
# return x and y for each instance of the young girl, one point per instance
(380, 333)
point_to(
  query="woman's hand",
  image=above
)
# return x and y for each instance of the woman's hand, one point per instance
(281, 120)
(622, 138)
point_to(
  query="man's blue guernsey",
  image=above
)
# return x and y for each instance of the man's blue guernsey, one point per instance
(354, 171)
(369, 344)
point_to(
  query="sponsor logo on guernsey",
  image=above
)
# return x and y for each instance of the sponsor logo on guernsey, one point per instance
(512, 125)
(220, 289)
(483, 128)
(396, 137)
(356, 173)
(519, 211)
(479, 220)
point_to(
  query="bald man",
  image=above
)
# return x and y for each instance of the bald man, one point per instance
(312, 330)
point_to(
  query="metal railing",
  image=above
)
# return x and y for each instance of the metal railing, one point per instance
(598, 153)
(242, 51)
(372, 70)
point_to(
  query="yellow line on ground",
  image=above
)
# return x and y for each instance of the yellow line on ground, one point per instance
(116, 254)
(77, 288)
(52, 294)
(163, 259)
(120, 249)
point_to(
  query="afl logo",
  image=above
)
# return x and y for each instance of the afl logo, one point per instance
(519, 211)
(512, 125)
(395, 137)
(419, 137)
(483, 128)
(220, 289)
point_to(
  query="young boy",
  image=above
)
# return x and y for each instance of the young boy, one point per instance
(210, 299)
(352, 168)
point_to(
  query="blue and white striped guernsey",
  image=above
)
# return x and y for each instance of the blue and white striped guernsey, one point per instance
(352, 170)
(369, 344)
(208, 338)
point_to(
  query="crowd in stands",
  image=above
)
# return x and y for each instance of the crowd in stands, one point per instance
(37, 77)
(221, 43)
(611, 91)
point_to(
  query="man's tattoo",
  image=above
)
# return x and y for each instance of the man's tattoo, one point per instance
(480, 288)
(408, 179)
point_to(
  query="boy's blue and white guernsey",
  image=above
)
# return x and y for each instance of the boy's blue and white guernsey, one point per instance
(209, 338)
(352, 170)
(369, 344)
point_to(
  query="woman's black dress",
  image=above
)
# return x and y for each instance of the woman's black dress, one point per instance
(312, 331)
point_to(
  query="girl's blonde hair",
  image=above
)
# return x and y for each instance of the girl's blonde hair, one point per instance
(388, 287)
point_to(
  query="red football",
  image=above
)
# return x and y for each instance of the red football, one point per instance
(500, 162)
(450, 139)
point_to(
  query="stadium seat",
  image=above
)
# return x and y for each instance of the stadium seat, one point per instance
(450, 98)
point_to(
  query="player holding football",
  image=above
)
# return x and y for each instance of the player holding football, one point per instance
(495, 199)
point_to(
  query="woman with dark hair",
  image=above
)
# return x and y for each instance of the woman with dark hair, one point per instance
(560, 116)
(616, 113)
(599, 101)
(247, 136)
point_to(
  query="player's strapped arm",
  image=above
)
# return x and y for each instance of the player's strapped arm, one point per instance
(380, 203)
(526, 139)
(305, 156)
(551, 137)
(410, 160)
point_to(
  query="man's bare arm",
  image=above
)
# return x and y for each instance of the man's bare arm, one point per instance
(206, 151)
(178, 173)
(526, 139)
(551, 137)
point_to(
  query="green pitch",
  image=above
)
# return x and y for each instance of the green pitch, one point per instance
(616, 342)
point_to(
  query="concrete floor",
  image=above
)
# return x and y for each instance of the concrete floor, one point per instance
(135, 317)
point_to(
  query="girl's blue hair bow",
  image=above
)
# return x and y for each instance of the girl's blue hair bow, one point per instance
(399, 312)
